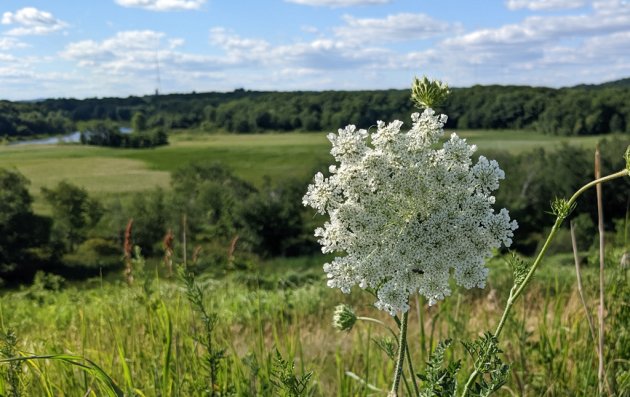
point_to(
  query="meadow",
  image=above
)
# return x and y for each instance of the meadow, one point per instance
(107, 171)
(148, 337)
(261, 327)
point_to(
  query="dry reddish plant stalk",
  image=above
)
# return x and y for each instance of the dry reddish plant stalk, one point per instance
(195, 255)
(232, 248)
(128, 252)
(167, 243)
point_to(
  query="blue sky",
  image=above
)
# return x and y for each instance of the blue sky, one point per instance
(102, 48)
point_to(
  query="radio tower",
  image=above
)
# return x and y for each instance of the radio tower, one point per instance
(157, 71)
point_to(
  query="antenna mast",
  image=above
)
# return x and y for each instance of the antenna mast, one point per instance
(157, 70)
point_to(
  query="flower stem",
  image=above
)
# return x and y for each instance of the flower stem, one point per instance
(552, 234)
(516, 292)
(413, 376)
(409, 361)
(379, 322)
(402, 344)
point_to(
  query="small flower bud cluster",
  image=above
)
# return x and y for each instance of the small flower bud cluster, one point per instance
(344, 318)
(405, 215)
(428, 93)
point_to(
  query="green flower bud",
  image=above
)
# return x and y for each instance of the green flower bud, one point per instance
(560, 207)
(428, 93)
(344, 318)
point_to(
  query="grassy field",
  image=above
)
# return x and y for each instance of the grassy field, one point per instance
(105, 171)
(147, 336)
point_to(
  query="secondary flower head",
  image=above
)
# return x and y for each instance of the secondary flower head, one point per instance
(405, 215)
(344, 318)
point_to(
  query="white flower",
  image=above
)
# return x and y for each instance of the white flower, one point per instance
(405, 215)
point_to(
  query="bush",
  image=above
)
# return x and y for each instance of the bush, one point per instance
(94, 255)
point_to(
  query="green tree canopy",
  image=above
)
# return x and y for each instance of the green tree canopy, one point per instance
(138, 122)
(20, 229)
(74, 212)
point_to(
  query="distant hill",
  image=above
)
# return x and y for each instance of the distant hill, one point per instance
(622, 83)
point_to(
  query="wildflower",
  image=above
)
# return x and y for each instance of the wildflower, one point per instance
(428, 93)
(344, 318)
(405, 215)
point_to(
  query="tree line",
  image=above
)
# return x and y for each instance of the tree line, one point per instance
(580, 110)
(106, 133)
(233, 223)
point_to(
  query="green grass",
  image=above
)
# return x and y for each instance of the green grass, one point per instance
(285, 304)
(252, 157)
(522, 141)
(105, 171)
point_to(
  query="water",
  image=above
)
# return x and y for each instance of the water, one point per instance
(74, 137)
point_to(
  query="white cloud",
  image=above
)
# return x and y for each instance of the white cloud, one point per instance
(7, 58)
(613, 48)
(129, 50)
(398, 27)
(163, 5)
(338, 3)
(8, 43)
(32, 21)
(591, 46)
(174, 43)
(135, 55)
(538, 5)
(297, 72)
(611, 6)
(13, 72)
(538, 32)
(237, 47)
(327, 55)
(318, 54)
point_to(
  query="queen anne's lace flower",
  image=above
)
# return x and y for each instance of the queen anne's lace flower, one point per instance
(404, 214)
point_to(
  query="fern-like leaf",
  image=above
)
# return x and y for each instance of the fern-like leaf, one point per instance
(493, 372)
(283, 377)
(438, 381)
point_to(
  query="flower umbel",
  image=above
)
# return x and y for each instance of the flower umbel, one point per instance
(428, 93)
(404, 214)
(344, 318)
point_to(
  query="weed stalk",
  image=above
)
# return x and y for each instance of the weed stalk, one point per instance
(561, 208)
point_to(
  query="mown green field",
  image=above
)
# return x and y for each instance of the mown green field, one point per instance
(107, 172)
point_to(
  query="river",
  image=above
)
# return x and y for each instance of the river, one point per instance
(74, 137)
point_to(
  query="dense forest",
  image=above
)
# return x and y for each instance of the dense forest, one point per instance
(580, 110)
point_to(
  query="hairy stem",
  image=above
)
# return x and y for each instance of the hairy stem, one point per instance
(409, 361)
(516, 292)
(391, 331)
(402, 344)
(379, 322)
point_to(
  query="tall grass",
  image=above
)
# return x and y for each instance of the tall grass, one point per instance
(149, 339)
